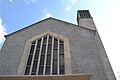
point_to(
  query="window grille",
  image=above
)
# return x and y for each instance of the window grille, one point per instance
(46, 57)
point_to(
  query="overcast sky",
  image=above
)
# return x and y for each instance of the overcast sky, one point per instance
(17, 14)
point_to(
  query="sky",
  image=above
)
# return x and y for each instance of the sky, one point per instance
(17, 14)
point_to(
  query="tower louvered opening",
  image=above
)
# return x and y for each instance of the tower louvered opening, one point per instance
(84, 14)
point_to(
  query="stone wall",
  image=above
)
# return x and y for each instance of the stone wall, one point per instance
(85, 56)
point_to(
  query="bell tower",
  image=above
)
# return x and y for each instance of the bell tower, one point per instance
(85, 19)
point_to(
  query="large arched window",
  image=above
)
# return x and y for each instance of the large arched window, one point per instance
(46, 57)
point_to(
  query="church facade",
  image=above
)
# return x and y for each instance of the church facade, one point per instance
(53, 49)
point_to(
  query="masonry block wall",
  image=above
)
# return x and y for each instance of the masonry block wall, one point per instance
(84, 52)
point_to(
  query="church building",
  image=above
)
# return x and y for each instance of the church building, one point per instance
(53, 49)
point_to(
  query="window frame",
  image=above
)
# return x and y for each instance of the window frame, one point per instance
(67, 60)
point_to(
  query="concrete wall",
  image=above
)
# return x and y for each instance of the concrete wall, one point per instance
(85, 56)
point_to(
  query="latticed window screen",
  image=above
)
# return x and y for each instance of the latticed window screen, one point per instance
(46, 57)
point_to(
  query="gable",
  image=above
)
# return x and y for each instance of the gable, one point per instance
(48, 20)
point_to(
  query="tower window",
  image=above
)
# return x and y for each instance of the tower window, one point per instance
(46, 57)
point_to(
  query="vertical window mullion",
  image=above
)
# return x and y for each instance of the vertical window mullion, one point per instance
(45, 55)
(58, 57)
(39, 56)
(52, 55)
(33, 57)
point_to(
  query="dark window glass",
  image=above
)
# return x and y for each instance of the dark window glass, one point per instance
(55, 54)
(32, 49)
(43, 48)
(55, 63)
(49, 48)
(36, 54)
(29, 60)
(62, 70)
(61, 53)
(50, 40)
(61, 60)
(38, 44)
(47, 71)
(54, 69)
(42, 60)
(48, 62)
(54, 73)
(38, 49)
(44, 40)
(33, 73)
(27, 70)
(42, 54)
(55, 43)
(34, 68)
(61, 48)
(40, 72)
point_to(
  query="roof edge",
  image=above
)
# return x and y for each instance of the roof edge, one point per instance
(44, 20)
